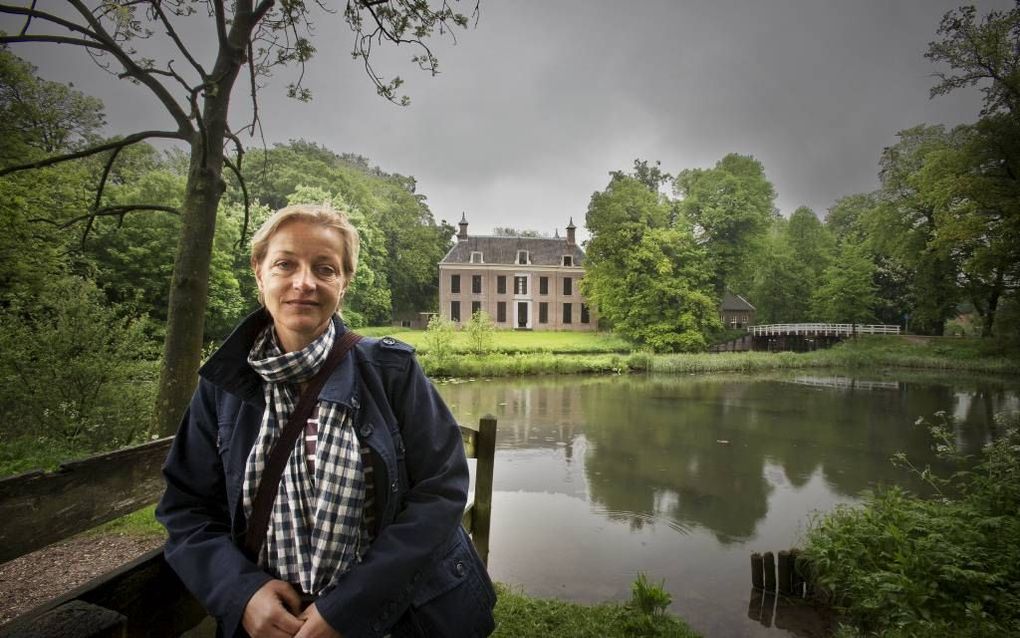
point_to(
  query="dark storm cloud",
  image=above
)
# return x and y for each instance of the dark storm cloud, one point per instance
(538, 103)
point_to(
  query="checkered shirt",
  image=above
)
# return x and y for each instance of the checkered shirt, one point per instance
(315, 530)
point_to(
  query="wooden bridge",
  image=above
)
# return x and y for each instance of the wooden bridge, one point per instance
(144, 597)
(804, 337)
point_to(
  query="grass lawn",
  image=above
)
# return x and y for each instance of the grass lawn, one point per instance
(511, 341)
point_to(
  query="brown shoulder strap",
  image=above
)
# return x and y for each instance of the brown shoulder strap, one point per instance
(269, 484)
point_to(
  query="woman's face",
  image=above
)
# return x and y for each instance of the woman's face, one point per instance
(301, 281)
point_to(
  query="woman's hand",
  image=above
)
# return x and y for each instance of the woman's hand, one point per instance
(271, 612)
(315, 625)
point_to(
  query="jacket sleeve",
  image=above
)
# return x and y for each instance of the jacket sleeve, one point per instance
(195, 513)
(373, 594)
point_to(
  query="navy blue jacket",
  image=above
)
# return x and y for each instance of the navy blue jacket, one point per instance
(420, 576)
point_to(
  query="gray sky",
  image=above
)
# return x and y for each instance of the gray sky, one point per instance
(537, 104)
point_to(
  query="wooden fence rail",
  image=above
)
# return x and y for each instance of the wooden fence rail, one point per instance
(144, 597)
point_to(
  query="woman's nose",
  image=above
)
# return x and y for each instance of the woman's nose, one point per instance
(304, 279)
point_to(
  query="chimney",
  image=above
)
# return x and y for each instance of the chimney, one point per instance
(570, 233)
(462, 235)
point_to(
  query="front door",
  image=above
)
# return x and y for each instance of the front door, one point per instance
(522, 314)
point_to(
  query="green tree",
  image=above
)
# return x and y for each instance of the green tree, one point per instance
(260, 35)
(480, 331)
(73, 368)
(648, 278)
(847, 292)
(779, 286)
(730, 206)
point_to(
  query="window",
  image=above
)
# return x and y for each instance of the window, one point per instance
(455, 284)
(543, 312)
(455, 311)
(543, 285)
(520, 285)
(476, 284)
(522, 256)
(584, 314)
(568, 260)
(475, 307)
(476, 257)
(501, 311)
(567, 313)
(501, 285)
(568, 286)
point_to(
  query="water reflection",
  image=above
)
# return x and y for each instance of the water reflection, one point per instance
(683, 477)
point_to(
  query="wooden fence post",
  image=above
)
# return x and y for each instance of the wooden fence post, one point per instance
(757, 571)
(785, 568)
(770, 572)
(482, 515)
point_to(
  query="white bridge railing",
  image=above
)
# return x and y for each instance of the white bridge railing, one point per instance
(822, 329)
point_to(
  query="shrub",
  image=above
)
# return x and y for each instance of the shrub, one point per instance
(74, 370)
(946, 566)
(480, 331)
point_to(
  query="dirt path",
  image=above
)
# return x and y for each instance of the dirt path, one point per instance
(34, 578)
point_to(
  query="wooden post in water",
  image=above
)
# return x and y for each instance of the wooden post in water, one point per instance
(483, 485)
(797, 577)
(785, 568)
(770, 572)
(757, 571)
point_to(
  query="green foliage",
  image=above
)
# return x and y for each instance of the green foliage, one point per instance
(521, 615)
(730, 205)
(74, 370)
(847, 291)
(649, 598)
(645, 272)
(949, 566)
(39, 117)
(438, 339)
(480, 331)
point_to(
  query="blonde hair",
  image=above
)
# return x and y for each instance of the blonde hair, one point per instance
(321, 214)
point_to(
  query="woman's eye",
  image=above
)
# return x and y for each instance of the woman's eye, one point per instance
(327, 271)
(282, 264)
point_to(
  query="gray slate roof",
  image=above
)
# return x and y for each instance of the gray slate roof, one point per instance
(503, 250)
(731, 301)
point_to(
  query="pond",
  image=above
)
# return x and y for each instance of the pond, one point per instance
(682, 478)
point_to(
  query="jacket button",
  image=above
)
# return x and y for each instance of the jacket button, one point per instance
(394, 487)
(355, 404)
(366, 430)
(389, 341)
(460, 569)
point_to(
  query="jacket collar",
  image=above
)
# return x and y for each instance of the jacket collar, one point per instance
(228, 367)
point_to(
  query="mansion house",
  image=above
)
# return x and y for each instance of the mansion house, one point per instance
(524, 283)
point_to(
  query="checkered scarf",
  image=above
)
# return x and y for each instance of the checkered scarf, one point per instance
(315, 526)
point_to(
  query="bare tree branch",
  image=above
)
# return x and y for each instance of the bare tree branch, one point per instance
(236, 170)
(99, 192)
(221, 23)
(32, 12)
(28, 20)
(94, 150)
(261, 10)
(158, 10)
(109, 211)
(133, 69)
(56, 39)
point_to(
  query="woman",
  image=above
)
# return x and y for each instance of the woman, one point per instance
(363, 536)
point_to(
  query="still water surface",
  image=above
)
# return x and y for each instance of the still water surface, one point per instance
(682, 478)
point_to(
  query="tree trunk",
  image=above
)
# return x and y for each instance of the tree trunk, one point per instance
(993, 304)
(182, 349)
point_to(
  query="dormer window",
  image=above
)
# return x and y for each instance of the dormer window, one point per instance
(476, 257)
(522, 257)
(568, 260)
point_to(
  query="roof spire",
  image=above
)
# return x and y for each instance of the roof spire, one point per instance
(462, 234)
